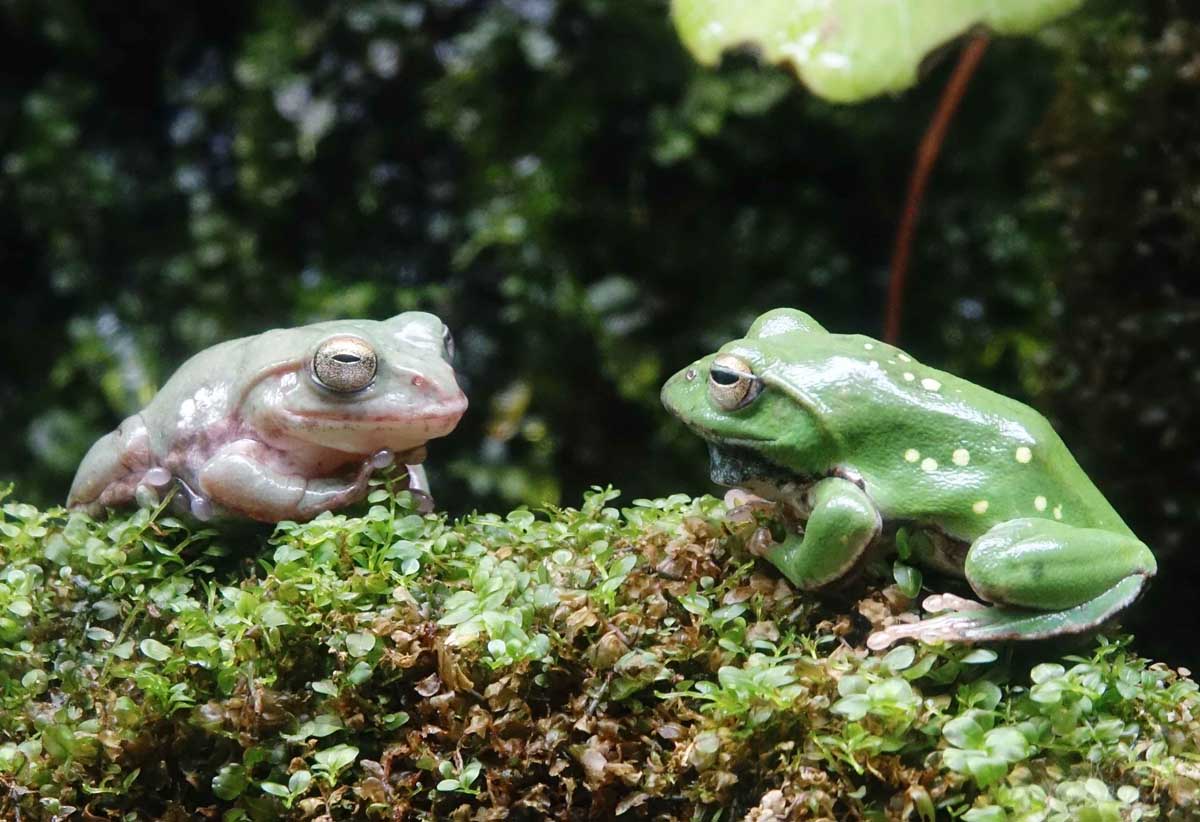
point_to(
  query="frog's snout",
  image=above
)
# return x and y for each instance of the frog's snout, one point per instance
(675, 387)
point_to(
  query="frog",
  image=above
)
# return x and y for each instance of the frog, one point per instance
(865, 446)
(284, 424)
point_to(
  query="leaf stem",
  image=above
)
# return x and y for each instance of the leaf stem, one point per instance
(927, 154)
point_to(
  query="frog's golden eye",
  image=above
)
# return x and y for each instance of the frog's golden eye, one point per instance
(344, 365)
(731, 383)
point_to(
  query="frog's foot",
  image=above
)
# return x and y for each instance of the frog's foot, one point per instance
(737, 497)
(197, 504)
(418, 486)
(379, 460)
(147, 493)
(977, 623)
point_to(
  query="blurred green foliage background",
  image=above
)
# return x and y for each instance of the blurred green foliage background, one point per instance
(589, 211)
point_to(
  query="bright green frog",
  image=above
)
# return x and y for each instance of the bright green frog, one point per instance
(857, 436)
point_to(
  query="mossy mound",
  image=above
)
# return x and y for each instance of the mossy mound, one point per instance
(561, 663)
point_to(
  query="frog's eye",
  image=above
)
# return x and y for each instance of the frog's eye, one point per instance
(344, 365)
(731, 383)
(448, 344)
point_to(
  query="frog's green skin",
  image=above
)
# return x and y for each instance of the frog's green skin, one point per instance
(856, 434)
(248, 428)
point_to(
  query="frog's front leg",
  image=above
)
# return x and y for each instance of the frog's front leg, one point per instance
(842, 524)
(1044, 577)
(242, 477)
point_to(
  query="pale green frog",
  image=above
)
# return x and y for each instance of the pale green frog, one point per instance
(284, 424)
(858, 439)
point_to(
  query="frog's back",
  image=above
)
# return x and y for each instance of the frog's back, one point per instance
(936, 448)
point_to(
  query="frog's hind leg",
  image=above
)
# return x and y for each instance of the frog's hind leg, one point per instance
(1045, 578)
(113, 467)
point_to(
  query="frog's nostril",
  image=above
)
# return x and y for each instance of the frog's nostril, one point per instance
(418, 381)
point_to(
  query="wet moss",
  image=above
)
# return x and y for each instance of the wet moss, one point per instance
(561, 663)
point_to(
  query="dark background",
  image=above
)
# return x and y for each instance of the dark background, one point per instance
(589, 210)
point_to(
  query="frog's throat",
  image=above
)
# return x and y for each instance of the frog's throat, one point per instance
(738, 467)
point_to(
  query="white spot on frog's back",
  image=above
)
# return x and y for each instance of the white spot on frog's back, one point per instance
(204, 407)
(1058, 512)
(187, 413)
(869, 346)
(980, 507)
(929, 465)
(1023, 455)
(904, 358)
(912, 455)
(1039, 503)
(960, 457)
(909, 376)
(930, 384)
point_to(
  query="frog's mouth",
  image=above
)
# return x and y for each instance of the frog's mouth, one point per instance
(750, 476)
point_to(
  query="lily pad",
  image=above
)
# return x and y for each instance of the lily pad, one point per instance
(850, 50)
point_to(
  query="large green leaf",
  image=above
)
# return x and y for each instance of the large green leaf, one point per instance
(849, 50)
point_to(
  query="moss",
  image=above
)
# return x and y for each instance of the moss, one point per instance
(566, 663)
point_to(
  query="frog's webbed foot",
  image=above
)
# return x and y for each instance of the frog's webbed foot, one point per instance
(418, 486)
(147, 493)
(418, 482)
(197, 504)
(970, 621)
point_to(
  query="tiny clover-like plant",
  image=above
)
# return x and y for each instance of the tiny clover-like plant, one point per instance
(459, 780)
(850, 50)
(297, 785)
(880, 715)
(332, 762)
(753, 692)
(1085, 800)
(981, 752)
(218, 685)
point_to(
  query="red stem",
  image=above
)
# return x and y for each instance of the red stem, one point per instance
(927, 154)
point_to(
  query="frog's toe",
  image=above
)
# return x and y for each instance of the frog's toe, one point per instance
(996, 624)
(940, 603)
(382, 459)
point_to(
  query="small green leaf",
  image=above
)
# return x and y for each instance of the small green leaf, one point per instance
(963, 732)
(1046, 672)
(899, 658)
(908, 579)
(853, 707)
(1008, 744)
(987, 769)
(299, 782)
(360, 644)
(230, 781)
(1128, 794)
(336, 759)
(155, 650)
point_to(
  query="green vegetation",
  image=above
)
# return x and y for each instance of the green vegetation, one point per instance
(854, 50)
(635, 661)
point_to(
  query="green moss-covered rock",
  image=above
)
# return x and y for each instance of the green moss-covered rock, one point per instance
(562, 663)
